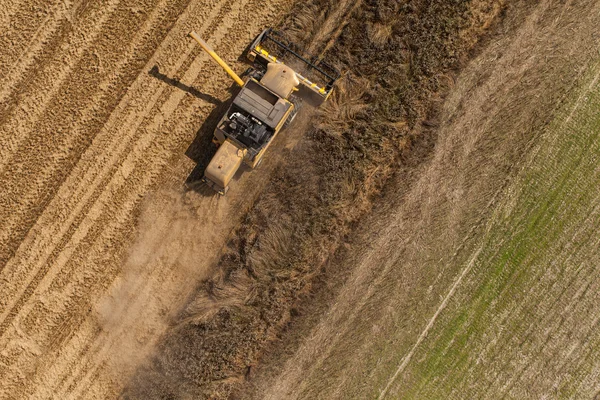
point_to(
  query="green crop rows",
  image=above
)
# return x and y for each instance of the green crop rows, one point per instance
(523, 322)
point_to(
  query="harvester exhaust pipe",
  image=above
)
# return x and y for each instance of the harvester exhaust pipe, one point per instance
(218, 59)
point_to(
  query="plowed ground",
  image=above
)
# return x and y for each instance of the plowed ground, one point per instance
(99, 101)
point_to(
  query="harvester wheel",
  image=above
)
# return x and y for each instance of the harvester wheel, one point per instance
(289, 120)
(297, 102)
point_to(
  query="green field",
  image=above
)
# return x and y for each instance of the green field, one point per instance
(523, 321)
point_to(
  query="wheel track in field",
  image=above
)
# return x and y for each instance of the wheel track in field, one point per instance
(82, 192)
(60, 245)
(69, 192)
(23, 41)
(81, 374)
(89, 122)
(24, 129)
(7, 12)
(74, 127)
(28, 102)
(99, 350)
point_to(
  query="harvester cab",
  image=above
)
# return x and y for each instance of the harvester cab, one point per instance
(267, 102)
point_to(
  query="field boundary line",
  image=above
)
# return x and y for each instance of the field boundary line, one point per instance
(425, 331)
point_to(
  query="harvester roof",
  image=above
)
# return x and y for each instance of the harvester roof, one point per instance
(261, 103)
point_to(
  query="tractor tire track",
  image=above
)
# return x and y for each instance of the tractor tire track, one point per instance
(8, 307)
(24, 40)
(95, 182)
(28, 100)
(12, 9)
(51, 342)
(86, 190)
(103, 348)
(131, 200)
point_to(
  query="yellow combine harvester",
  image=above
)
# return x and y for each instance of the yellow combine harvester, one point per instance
(267, 102)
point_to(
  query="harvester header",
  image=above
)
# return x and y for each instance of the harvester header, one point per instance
(314, 74)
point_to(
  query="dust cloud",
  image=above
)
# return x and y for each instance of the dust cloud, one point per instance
(175, 245)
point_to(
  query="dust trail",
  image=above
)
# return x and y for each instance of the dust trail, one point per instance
(176, 238)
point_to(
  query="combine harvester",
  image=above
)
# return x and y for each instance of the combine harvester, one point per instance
(267, 102)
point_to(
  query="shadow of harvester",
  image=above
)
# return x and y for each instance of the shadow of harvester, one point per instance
(201, 150)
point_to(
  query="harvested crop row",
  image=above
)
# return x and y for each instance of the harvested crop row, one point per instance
(86, 141)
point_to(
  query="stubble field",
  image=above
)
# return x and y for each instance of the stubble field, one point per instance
(98, 104)
(475, 273)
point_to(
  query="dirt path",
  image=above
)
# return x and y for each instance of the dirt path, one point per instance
(415, 253)
(85, 134)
